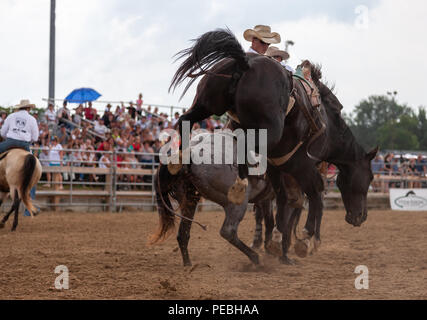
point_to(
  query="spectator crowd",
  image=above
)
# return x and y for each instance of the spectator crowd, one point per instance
(405, 171)
(86, 138)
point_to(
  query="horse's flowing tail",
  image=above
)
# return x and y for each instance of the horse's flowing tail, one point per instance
(166, 218)
(27, 182)
(207, 50)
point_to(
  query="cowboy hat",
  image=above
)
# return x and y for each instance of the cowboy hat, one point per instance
(263, 33)
(24, 104)
(273, 51)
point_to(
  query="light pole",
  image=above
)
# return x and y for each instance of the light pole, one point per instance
(51, 97)
(287, 44)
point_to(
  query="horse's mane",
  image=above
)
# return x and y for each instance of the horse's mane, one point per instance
(344, 131)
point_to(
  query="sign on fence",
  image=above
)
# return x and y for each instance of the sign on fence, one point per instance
(408, 199)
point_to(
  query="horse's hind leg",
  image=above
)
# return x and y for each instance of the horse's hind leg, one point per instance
(235, 214)
(16, 203)
(6, 217)
(259, 215)
(184, 231)
(269, 221)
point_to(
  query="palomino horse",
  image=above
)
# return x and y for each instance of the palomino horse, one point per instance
(19, 172)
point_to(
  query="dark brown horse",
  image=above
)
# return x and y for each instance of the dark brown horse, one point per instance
(253, 87)
(336, 145)
(257, 89)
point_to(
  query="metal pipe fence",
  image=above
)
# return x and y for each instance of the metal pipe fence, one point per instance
(115, 179)
(79, 173)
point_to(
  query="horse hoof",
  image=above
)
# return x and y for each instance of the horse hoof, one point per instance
(287, 261)
(316, 244)
(256, 244)
(273, 248)
(237, 192)
(301, 248)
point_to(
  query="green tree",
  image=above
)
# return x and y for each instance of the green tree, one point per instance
(374, 113)
(400, 134)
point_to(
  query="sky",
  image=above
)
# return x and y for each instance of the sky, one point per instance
(125, 47)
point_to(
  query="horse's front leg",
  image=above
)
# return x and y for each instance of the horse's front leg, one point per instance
(312, 226)
(259, 215)
(284, 212)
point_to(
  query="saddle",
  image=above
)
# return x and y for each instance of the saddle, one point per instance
(303, 74)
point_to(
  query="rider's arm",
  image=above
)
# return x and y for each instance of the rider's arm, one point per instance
(34, 130)
(5, 128)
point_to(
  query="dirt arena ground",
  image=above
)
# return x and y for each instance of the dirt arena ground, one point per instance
(108, 258)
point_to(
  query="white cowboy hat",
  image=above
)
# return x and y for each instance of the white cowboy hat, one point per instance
(263, 33)
(273, 51)
(24, 104)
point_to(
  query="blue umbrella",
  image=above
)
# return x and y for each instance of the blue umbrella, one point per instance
(82, 95)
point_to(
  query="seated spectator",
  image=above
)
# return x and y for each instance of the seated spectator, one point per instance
(64, 115)
(420, 166)
(132, 111)
(143, 122)
(175, 119)
(377, 164)
(90, 112)
(100, 127)
(63, 135)
(45, 162)
(89, 160)
(137, 146)
(50, 115)
(44, 133)
(147, 150)
(106, 116)
(78, 116)
(387, 164)
(104, 163)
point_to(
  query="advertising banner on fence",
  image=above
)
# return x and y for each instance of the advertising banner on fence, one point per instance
(408, 199)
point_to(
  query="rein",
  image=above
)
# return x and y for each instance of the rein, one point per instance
(314, 128)
(312, 122)
(172, 210)
(4, 154)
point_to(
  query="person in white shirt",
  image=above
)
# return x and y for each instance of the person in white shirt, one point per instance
(20, 128)
(100, 127)
(55, 158)
(260, 37)
(50, 114)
